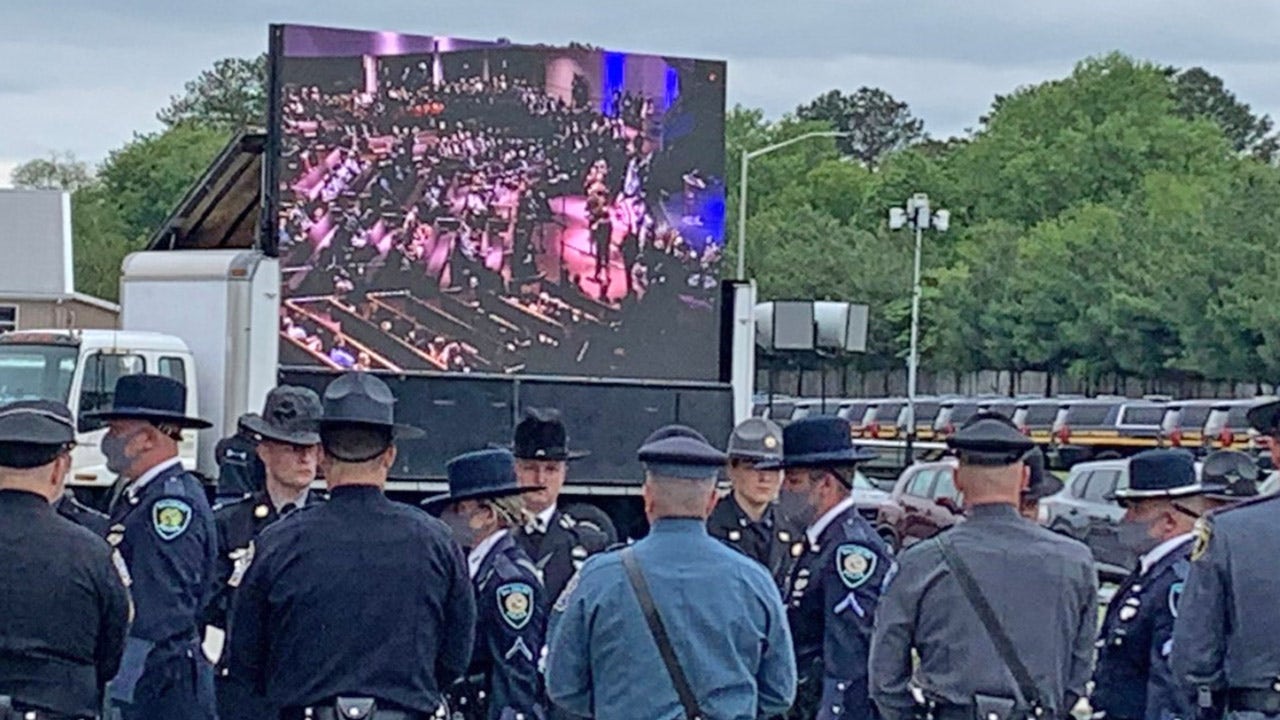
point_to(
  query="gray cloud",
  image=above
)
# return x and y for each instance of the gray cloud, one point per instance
(87, 76)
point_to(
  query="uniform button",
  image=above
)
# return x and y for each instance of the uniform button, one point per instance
(992, 716)
(841, 686)
(1276, 686)
(353, 712)
(835, 709)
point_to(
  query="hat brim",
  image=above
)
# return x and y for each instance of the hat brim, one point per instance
(824, 459)
(1263, 418)
(759, 458)
(437, 502)
(1048, 486)
(150, 415)
(567, 456)
(1168, 493)
(258, 425)
(398, 431)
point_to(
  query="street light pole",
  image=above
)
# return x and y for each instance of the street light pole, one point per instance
(918, 215)
(742, 187)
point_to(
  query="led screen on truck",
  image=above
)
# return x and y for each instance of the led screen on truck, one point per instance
(461, 206)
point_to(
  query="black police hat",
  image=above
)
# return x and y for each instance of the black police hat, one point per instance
(1265, 417)
(34, 432)
(1161, 473)
(362, 400)
(1041, 483)
(154, 398)
(756, 439)
(291, 415)
(479, 475)
(990, 439)
(1230, 475)
(541, 435)
(819, 441)
(675, 454)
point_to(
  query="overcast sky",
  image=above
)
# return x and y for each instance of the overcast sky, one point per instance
(84, 75)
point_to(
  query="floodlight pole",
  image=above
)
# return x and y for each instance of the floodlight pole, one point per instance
(918, 215)
(747, 155)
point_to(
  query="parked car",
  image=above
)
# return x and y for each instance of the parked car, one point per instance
(1105, 429)
(868, 498)
(1035, 418)
(1085, 509)
(924, 502)
(1227, 428)
(952, 414)
(1183, 424)
(926, 410)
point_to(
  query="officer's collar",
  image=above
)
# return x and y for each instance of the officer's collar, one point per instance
(137, 486)
(815, 530)
(1161, 551)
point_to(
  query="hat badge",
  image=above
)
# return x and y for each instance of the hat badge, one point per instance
(770, 442)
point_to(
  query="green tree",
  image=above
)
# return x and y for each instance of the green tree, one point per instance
(877, 122)
(229, 96)
(1201, 94)
(150, 174)
(58, 171)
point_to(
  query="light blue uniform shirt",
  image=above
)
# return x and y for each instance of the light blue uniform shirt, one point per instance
(721, 610)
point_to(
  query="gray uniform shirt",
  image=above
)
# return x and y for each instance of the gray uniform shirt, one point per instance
(1043, 588)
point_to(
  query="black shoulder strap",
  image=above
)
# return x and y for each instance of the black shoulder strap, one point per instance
(1004, 646)
(659, 632)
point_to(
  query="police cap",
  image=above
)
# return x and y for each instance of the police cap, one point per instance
(989, 439)
(756, 439)
(34, 432)
(1265, 417)
(677, 455)
(1230, 475)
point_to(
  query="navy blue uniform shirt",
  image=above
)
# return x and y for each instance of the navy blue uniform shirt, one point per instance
(358, 596)
(1133, 680)
(64, 609)
(833, 592)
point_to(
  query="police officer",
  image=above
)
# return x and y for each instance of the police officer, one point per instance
(725, 627)
(840, 569)
(64, 610)
(288, 444)
(72, 509)
(1040, 484)
(557, 540)
(1224, 640)
(240, 469)
(1041, 589)
(1133, 680)
(357, 602)
(481, 507)
(745, 519)
(163, 528)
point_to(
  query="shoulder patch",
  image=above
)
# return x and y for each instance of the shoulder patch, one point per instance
(855, 564)
(170, 517)
(1203, 532)
(1175, 594)
(515, 602)
(562, 602)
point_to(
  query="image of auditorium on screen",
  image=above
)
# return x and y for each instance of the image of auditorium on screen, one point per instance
(449, 205)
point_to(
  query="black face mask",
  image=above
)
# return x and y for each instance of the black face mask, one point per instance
(1135, 535)
(460, 525)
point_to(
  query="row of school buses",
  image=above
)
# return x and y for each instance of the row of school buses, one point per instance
(1071, 429)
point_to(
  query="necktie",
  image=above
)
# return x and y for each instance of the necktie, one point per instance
(288, 508)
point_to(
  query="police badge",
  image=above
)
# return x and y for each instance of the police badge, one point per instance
(515, 602)
(856, 564)
(170, 517)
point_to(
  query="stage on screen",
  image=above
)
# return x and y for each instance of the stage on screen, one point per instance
(453, 205)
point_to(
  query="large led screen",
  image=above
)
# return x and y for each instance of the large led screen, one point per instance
(485, 207)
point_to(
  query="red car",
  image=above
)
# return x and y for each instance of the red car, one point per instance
(923, 503)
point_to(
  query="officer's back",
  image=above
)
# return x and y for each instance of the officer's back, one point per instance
(1041, 587)
(64, 609)
(721, 610)
(358, 597)
(1225, 637)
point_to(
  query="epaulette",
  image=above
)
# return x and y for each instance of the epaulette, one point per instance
(231, 502)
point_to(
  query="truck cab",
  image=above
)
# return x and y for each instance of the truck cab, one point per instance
(80, 368)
